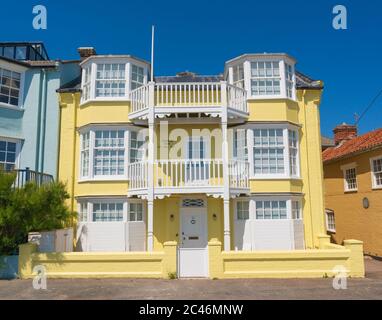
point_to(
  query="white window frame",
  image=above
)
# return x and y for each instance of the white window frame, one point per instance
(235, 69)
(242, 200)
(19, 69)
(91, 176)
(345, 168)
(126, 214)
(18, 149)
(328, 227)
(92, 64)
(373, 176)
(252, 205)
(250, 145)
(297, 148)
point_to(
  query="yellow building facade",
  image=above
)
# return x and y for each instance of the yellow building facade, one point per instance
(230, 161)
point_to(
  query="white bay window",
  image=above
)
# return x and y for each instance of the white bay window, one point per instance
(268, 223)
(104, 152)
(111, 78)
(275, 151)
(265, 78)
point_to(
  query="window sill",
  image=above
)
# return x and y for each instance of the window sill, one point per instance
(96, 100)
(103, 179)
(376, 188)
(270, 98)
(351, 191)
(11, 107)
(331, 230)
(274, 178)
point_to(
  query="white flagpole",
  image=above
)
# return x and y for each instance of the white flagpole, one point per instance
(152, 52)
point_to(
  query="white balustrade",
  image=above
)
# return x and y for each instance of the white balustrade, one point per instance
(238, 174)
(237, 98)
(137, 175)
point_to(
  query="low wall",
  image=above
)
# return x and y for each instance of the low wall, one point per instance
(99, 264)
(325, 261)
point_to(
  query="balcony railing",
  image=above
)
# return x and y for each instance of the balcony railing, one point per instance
(189, 173)
(24, 176)
(137, 175)
(192, 94)
(238, 174)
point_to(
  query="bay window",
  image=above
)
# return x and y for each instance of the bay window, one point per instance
(111, 78)
(106, 151)
(275, 152)
(268, 222)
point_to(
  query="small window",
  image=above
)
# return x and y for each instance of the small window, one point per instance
(9, 87)
(137, 77)
(271, 210)
(265, 78)
(350, 176)
(7, 155)
(186, 203)
(376, 168)
(330, 221)
(135, 211)
(242, 210)
(296, 210)
(238, 76)
(293, 152)
(83, 212)
(110, 80)
(105, 212)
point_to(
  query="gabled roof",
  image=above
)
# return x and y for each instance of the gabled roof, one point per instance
(363, 143)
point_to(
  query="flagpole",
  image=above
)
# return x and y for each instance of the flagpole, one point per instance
(152, 52)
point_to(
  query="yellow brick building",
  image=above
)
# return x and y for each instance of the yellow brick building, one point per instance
(353, 187)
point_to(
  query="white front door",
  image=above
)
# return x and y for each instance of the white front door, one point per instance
(193, 250)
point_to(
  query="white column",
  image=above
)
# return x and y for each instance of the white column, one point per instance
(150, 173)
(227, 228)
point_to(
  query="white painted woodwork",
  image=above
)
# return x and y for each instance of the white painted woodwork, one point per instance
(193, 250)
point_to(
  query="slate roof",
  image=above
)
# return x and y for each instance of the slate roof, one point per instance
(71, 86)
(363, 143)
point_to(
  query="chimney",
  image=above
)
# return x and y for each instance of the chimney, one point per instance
(85, 52)
(344, 132)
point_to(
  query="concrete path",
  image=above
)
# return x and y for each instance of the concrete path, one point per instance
(367, 288)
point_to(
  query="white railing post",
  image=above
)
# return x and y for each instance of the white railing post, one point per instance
(227, 227)
(150, 169)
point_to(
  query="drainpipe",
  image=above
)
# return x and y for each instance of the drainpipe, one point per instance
(43, 127)
(74, 150)
(37, 155)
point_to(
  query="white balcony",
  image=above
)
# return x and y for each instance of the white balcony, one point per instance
(188, 176)
(188, 97)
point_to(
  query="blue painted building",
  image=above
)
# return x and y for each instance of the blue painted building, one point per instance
(29, 110)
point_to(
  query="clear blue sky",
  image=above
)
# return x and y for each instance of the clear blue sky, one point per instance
(200, 35)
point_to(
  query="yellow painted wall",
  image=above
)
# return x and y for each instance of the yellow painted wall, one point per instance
(304, 112)
(352, 220)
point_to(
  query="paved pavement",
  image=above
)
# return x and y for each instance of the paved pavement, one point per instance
(367, 288)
